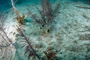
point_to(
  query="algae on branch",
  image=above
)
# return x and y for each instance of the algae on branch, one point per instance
(19, 18)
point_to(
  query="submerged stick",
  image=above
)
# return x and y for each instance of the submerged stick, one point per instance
(14, 8)
(19, 18)
(27, 40)
(83, 7)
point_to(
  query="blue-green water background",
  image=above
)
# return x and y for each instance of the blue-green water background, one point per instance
(6, 4)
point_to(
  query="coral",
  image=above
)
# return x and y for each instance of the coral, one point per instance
(5, 42)
(48, 14)
(50, 54)
(19, 18)
(3, 33)
(29, 48)
(5, 38)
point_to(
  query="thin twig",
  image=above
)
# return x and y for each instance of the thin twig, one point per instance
(34, 52)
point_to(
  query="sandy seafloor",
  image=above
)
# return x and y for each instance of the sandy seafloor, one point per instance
(71, 33)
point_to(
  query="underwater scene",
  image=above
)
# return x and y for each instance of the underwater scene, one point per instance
(44, 29)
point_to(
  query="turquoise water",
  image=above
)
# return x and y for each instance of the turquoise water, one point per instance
(6, 4)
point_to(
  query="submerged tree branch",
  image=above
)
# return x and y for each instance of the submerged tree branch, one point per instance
(28, 42)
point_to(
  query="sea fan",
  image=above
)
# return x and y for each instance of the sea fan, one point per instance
(48, 13)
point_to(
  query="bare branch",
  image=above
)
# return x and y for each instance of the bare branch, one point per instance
(28, 42)
(4, 35)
